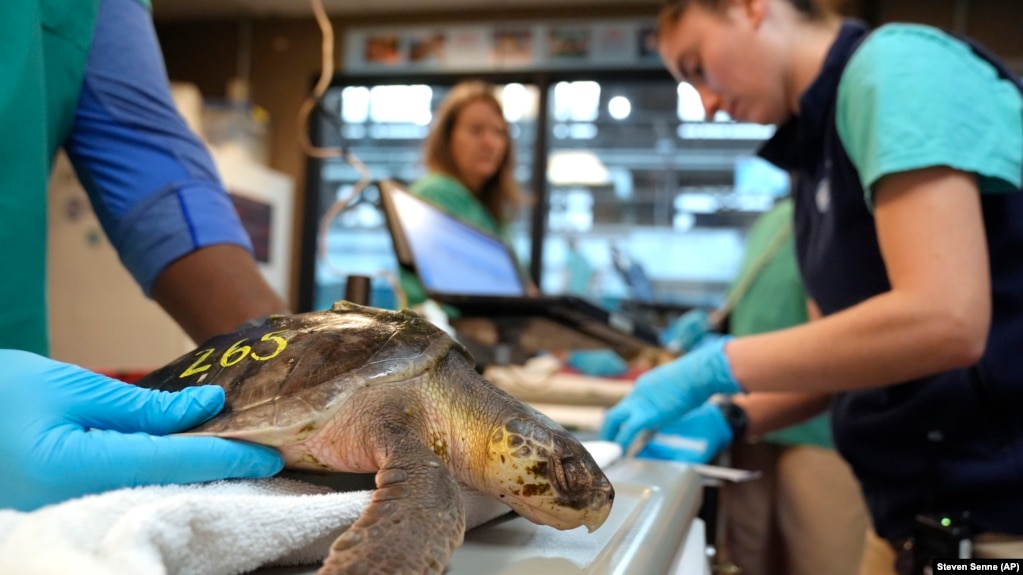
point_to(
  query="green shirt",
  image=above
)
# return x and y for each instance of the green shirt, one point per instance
(45, 48)
(775, 300)
(453, 197)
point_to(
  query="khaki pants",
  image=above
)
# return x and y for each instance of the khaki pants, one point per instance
(879, 557)
(805, 515)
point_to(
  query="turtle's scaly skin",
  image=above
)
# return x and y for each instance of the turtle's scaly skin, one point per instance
(358, 389)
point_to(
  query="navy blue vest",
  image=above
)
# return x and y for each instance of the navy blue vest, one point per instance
(951, 442)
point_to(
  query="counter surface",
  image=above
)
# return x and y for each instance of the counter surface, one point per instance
(655, 505)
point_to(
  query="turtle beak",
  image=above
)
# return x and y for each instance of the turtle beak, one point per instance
(583, 486)
(595, 521)
(563, 518)
(598, 496)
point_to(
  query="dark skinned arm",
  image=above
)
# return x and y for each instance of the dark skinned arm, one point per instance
(214, 290)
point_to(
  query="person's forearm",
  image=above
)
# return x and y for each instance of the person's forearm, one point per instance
(887, 339)
(936, 316)
(214, 290)
(773, 411)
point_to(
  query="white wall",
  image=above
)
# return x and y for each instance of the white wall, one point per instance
(99, 317)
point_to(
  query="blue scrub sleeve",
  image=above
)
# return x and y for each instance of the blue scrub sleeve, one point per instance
(151, 181)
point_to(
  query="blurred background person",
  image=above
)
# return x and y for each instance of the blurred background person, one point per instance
(470, 167)
(805, 514)
(579, 274)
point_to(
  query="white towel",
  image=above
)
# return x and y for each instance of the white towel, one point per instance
(218, 528)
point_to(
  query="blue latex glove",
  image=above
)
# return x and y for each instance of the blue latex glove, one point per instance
(66, 432)
(598, 362)
(667, 392)
(695, 438)
(688, 332)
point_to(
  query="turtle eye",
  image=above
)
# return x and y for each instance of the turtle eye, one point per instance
(561, 474)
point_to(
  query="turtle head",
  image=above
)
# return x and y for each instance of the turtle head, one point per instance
(544, 473)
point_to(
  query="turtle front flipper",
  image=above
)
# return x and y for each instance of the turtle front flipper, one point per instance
(413, 523)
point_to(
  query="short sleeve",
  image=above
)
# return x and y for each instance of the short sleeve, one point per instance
(151, 181)
(913, 97)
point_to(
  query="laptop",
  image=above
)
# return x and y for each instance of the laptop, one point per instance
(475, 272)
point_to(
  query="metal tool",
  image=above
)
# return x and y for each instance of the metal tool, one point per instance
(639, 443)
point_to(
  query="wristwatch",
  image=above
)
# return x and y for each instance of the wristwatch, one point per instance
(735, 416)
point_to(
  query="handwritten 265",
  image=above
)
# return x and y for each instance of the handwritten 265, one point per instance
(236, 354)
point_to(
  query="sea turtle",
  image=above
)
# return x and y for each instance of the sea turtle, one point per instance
(360, 389)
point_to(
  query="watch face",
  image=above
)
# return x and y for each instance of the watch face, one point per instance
(735, 417)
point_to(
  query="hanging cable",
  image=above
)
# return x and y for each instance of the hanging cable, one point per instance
(315, 102)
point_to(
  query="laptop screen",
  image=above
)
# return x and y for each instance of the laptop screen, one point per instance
(449, 256)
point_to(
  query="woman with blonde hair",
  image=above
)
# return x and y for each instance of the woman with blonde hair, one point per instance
(471, 166)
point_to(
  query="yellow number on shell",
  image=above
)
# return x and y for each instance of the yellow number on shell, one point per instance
(239, 354)
(280, 341)
(196, 367)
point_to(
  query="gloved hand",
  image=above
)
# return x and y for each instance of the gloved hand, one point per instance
(695, 438)
(689, 331)
(667, 392)
(66, 432)
(598, 362)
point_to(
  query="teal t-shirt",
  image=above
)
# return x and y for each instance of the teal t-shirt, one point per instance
(775, 299)
(45, 47)
(913, 97)
(453, 197)
(580, 273)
